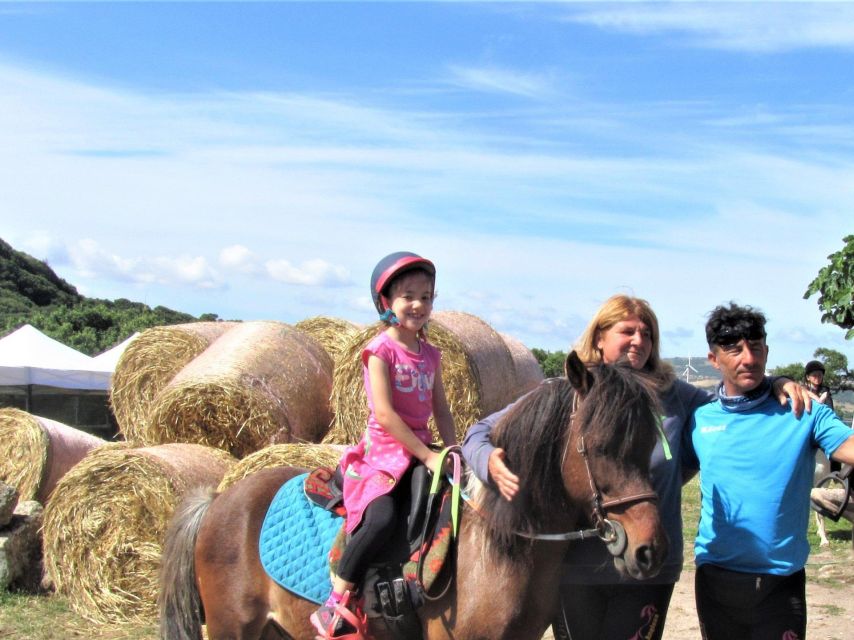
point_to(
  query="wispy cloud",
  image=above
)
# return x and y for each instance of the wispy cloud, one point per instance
(743, 26)
(497, 80)
(310, 273)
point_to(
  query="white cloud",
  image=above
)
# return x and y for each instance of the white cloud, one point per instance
(240, 259)
(309, 273)
(92, 261)
(743, 26)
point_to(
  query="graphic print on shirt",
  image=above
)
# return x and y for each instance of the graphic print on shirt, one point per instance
(408, 379)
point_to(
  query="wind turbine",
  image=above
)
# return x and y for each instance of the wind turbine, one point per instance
(688, 369)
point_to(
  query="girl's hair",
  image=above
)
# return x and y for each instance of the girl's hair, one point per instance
(616, 309)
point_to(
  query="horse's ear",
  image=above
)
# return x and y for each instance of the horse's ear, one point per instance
(579, 377)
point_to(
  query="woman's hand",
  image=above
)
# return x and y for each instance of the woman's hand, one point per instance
(506, 481)
(786, 389)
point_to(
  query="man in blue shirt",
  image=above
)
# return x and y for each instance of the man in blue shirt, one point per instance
(756, 464)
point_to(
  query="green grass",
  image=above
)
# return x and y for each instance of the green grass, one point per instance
(28, 617)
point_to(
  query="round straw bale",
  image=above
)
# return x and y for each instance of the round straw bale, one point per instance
(477, 372)
(294, 454)
(149, 363)
(528, 372)
(104, 526)
(331, 333)
(489, 359)
(36, 452)
(261, 383)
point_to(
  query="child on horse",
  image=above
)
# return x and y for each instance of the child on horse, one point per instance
(403, 382)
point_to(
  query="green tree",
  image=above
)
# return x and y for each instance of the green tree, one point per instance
(794, 371)
(551, 362)
(835, 286)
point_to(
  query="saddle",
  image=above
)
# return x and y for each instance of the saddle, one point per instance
(399, 581)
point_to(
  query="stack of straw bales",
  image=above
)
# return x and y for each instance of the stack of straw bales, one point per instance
(105, 524)
(149, 363)
(36, 452)
(331, 333)
(259, 383)
(478, 372)
(309, 456)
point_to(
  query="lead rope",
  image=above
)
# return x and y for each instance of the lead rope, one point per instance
(455, 455)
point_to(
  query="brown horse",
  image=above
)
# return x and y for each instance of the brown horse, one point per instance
(582, 448)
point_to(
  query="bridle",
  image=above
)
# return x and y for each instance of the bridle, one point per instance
(610, 532)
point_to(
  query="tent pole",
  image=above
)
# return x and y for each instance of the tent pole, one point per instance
(29, 399)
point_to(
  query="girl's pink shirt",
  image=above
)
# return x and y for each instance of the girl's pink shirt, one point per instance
(377, 462)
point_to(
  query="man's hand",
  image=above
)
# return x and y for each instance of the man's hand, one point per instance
(506, 481)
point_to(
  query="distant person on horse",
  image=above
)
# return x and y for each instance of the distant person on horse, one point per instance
(596, 603)
(403, 382)
(756, 463)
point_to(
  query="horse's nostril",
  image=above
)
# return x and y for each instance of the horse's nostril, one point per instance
(645, 557)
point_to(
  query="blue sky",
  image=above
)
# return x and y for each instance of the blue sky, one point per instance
(255, 160)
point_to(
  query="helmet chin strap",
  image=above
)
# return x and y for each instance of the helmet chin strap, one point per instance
(389, 316)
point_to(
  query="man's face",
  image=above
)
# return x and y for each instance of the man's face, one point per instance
(742, 364)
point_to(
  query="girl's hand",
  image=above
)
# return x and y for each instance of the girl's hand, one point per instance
(506, 481)
(432, 461)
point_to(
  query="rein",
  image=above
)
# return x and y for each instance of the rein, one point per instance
(610, 532)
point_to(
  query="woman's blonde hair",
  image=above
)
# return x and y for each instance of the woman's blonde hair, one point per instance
(616, 309)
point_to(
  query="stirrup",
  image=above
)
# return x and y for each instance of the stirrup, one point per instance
(357, 619)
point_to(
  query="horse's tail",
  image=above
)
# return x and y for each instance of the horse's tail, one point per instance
(179, 604)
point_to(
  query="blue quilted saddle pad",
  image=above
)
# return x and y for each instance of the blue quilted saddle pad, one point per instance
(295, 541)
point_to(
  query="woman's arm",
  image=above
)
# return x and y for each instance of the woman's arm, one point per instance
(486, 460)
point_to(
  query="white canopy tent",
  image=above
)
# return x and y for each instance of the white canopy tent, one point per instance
(47, 378)
(29, 357)
(110, 358)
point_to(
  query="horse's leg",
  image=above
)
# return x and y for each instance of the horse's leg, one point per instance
(232, 583)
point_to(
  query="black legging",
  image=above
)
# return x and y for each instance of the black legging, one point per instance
(377, 526)
(612, 612)
(752, 606)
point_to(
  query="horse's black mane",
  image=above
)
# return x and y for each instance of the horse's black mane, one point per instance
(616, 412)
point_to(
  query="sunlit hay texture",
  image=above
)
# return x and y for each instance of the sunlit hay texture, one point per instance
(331, 333)
(528, 372)
(105, 524)
(477, 371)
(261, 383)
(294, 454)
(36, 452)
(149, 363)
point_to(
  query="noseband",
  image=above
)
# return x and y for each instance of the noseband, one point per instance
(610, 532)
